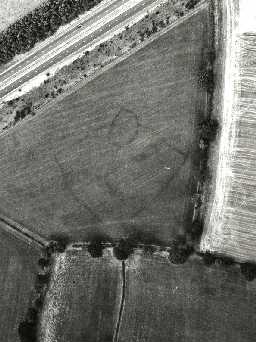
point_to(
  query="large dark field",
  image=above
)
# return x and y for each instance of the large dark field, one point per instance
(188, 303)
(118, 155)
(83, 300)
(18, 268)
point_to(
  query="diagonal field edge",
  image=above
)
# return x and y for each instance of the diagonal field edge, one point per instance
(22, 233)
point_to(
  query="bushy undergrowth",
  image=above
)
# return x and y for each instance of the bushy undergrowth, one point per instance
(28, 328)
(39, 24)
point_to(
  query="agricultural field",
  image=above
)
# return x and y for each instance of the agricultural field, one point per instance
(186, 303)
(18, 264)
(83, 300)
(120, 154)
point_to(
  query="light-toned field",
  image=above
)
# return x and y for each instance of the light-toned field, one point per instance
(119, 155)
(11, 10)
(231, 219)
(83, 300)
(18, 268)
(186, 303)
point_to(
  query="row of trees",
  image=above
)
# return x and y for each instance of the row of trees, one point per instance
(28, 329)
(39, 24)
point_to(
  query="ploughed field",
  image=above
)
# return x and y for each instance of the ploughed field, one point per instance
(146, 298)
(120, 154)
(18, 265)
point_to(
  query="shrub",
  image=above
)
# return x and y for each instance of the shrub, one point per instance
(249, 271)
(180, 251)
(28, 331)
(96, 245)
(124, 249)
(191, 4)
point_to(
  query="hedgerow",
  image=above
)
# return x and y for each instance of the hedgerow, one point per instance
(28, 328)
(40, 24)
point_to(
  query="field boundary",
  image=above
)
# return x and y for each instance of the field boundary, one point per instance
(220, 36)
(21, 233)
(177, 254)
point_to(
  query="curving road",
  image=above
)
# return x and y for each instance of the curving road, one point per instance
(89, 30)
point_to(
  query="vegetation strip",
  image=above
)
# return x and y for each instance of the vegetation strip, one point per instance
(28, 328)
(39, 24)
(208, 130)
(178, 252)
